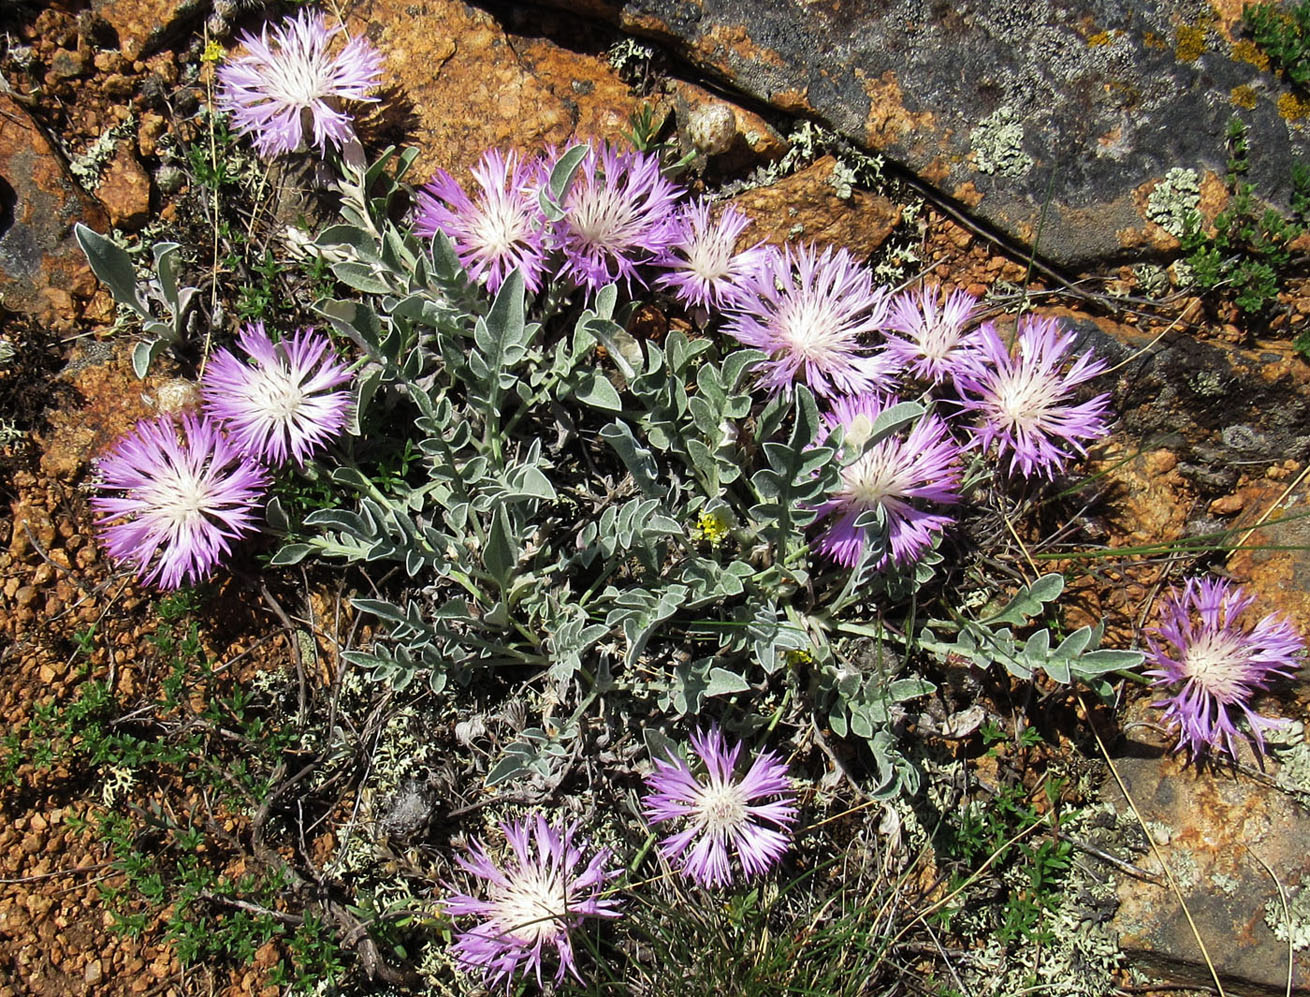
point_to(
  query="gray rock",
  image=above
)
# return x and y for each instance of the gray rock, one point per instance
(1052, 119)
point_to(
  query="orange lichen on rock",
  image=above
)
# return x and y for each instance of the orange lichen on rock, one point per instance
(1243, 96)
(1247, 51)
(968, 194)
(1189, 42)
(805, 207)
(888, 119)
(1293, 107)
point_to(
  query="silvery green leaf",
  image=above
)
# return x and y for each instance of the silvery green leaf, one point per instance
(113, 266)
(1030, 599)
(606, 298)
(528, 481)
(552, 196)
(501, 555)
(289, 554)
(723, 683)
(637, 459)
(143, 355)
(1095, 663)
(837, 721)
(275, 516)
(661, 747)
(366, 386)
(623, 347)
(356, 320)
(166, 259)
(360, 240)
(899, 690)
(899, 415)
(360, 276)
(594, 389)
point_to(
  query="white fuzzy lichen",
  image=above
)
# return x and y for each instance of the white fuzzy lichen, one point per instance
(997, 145)
(1294, 922)
(1173, 203)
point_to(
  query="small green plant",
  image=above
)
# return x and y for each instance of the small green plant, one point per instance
(1282, 32)
(1249, 252)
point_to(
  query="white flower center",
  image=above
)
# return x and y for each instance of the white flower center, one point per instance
(299, 77)
(874, 477)
(938, 339)
(603, 220)
(181, 499)
(277, 394)
(709, 256)
(532, 908)
(809, 329)
(500, 226)
(1214, 661)
(1024, 396)
(721, 807)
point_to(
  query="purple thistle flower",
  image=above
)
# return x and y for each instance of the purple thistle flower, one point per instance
(1024, 400)
(936, 344)
(1220, 663)
(721, 811)
(184, 499)
(534, 901)
(618, 214)
(901, 470)
(808, 311)
(706, 271)
(269, 91)
(282, 407)
(502, 230)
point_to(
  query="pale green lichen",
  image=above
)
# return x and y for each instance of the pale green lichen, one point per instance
(630, 55)
(1226, 885)
(1152, 280)
(1294, 922)
(997, 145)
(1173, 203)
(88, 168)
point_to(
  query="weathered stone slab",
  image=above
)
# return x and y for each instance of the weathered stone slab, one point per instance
(42, 269)
(1056, 117)
(1214, 828)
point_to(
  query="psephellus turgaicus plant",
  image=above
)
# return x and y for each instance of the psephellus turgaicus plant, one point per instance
(619, 516)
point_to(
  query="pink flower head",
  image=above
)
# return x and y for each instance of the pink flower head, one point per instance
(181, 499)
(896, 477)
(502, 230)
(722, 812)
(705, 270)
(282, 408)
(618, 215)
(1023, 401)
(533, 901)
(937, 340)
(810, 312)
(270, 90)
(1216, 666)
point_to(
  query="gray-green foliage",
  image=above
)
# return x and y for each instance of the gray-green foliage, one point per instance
(566, 467)
(113, 265)
(991, 640)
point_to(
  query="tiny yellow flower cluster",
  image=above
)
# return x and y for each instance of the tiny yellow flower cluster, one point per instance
(798, 657)
(711, 526)
(213, 52)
